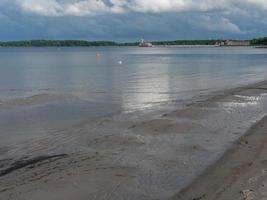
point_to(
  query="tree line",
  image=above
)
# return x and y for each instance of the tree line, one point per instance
(259, 41)
(84, 43)
(56, 43)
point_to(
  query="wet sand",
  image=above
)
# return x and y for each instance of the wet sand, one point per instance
(30, 101)
(240, 174)
(171, 154)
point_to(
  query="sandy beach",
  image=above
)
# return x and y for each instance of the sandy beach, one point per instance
(239, 174)
(213, 147)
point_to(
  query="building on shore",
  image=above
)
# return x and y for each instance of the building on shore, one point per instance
(234, 43)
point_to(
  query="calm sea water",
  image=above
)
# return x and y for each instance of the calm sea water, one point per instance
(103, 80)
(131, 78)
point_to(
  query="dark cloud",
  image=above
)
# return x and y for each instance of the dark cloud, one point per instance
(127, 22)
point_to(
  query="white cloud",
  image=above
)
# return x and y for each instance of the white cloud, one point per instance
(177, 5)
(47, 7)
(75, 8)
(89, 7)
(258, 3)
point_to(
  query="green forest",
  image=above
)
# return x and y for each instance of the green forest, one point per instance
(56, 43)
(84, 43)
(259, 41)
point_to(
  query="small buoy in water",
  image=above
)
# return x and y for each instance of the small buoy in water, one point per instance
(120, 62)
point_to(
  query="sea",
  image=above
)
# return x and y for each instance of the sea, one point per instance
(101, 81)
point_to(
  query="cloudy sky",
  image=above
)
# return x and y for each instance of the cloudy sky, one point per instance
(130, 20)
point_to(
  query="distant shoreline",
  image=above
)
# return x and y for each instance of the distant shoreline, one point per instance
(154, 46)
(84, 43)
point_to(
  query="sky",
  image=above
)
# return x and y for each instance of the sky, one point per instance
(131, 20)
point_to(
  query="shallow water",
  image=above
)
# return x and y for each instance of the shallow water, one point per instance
(100, 81)
(143, 78)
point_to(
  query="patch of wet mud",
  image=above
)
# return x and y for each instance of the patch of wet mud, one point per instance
(191, 113)
(28, 163)
(165, 126)
(30, 101)
(116, 141)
